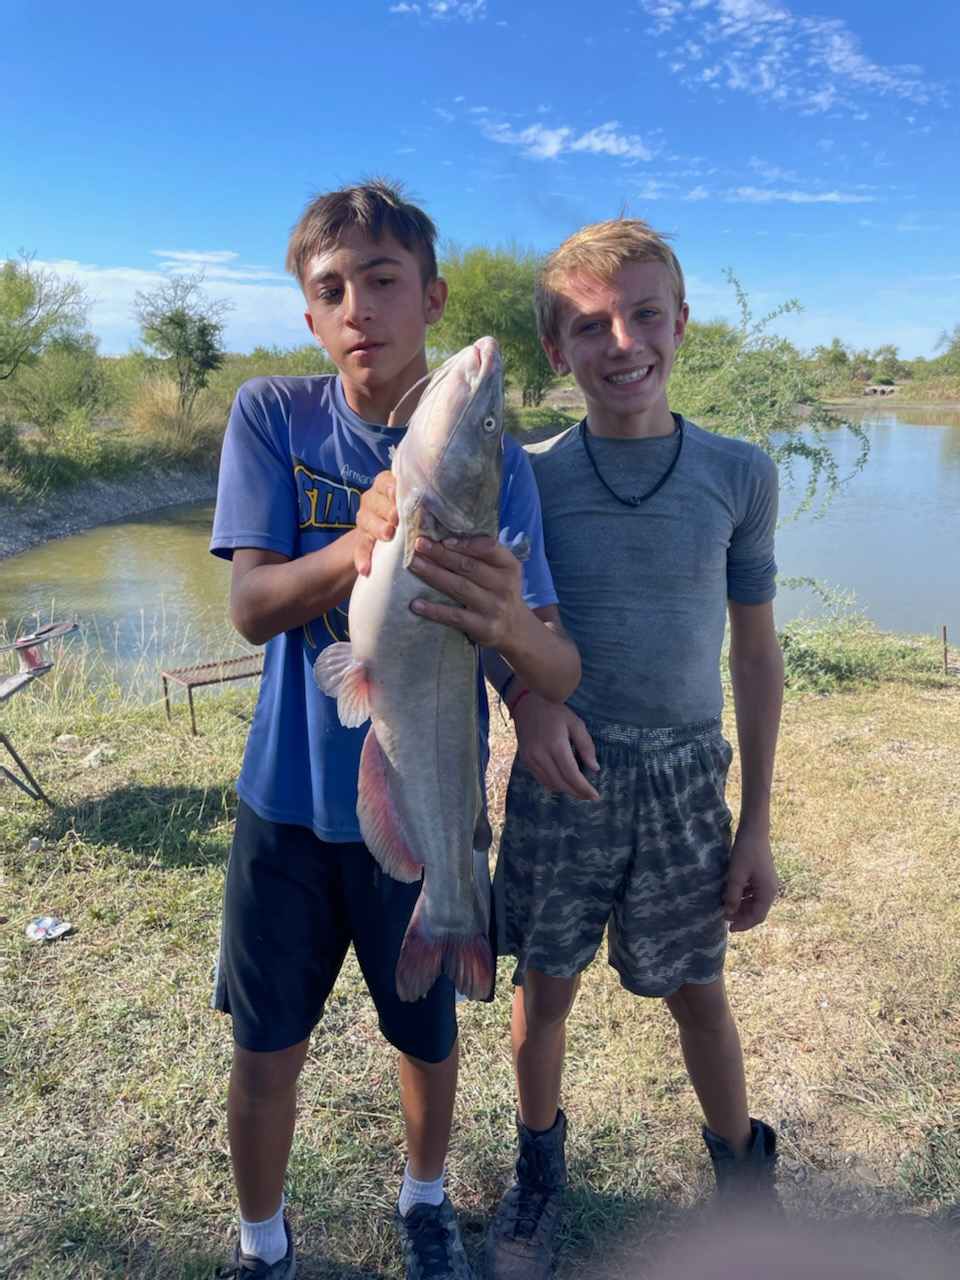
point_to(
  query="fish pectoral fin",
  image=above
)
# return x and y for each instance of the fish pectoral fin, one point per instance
(340, 676)
(519, 545)
(380, 823)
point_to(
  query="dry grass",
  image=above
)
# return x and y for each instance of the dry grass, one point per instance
(155, 417)
(112, 1144)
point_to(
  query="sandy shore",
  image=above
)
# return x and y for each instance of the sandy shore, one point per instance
(99, 502)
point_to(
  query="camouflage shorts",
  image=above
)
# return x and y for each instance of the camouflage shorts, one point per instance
(650, 860)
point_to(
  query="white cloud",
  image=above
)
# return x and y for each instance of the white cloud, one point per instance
(771, 172)
(812, 64)
(605, 140)
(444, 10)
(211, 264)
(196, 257)
(541, 143)
(767, 195)
(697, 193)
(266, 308)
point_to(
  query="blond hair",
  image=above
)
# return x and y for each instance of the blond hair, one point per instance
(377, 208)
(600, 250)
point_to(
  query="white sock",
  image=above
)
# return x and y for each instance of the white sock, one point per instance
(265, 1240)
(413, 1192)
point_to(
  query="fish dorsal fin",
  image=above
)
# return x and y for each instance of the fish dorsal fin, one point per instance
(340, 676)
(380, 823)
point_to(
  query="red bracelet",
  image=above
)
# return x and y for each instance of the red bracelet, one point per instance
(512, 706)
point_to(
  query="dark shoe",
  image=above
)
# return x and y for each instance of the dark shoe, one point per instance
(432, 1248)
(521, 1240)
(747, 1181)
(246, 1267)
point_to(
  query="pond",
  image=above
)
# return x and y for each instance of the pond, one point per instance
(148, 591)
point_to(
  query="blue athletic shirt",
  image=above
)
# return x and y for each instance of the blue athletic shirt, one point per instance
(295, 461)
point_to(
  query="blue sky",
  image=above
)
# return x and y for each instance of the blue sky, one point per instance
(812, 148)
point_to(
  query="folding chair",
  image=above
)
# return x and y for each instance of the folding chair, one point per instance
(32, 666)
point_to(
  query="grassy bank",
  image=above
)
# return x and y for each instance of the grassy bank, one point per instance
(113, 1144)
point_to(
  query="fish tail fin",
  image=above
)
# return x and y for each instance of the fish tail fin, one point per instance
(466, 959)
(468, 962)
(421, 956)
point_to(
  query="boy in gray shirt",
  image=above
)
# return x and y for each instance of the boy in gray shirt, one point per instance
(654, 530)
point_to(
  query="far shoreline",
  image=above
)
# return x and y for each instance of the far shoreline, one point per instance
(892, 402)
(62, 513)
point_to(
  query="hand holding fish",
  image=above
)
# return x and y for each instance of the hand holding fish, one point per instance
(555, 745)
(485, 579)
(377, 520)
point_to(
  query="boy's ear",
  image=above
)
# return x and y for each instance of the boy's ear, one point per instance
(434, 300)
(553, 353)
(680, 327)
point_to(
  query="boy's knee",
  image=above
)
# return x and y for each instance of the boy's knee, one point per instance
(547, 1000)
(262, 1076)
(701, 1008)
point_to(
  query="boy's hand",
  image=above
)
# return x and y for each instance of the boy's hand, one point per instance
(484, 577)
(377, 519)
(555, 745)
(752, 882)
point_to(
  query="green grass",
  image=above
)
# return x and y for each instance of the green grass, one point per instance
(823, 656)
(113, 1069)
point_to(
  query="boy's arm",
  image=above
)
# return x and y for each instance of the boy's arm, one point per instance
(756, 670)
(270, 593)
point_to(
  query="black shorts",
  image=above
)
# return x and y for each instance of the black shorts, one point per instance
(292, 905)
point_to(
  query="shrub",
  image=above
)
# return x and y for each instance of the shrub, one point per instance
(836, 653)
(67, 377)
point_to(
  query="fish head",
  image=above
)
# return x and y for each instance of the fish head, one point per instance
(449, 465)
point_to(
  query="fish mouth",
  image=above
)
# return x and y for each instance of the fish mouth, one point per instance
(487, 354)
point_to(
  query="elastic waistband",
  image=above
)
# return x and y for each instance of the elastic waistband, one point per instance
(631, 735)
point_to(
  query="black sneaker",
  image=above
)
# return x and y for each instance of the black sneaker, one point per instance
(432, 1248)
(246, 1267)
(746, 1182)
(521, 1242)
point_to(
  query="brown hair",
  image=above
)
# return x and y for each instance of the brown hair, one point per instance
(377, 207)
(600, 250)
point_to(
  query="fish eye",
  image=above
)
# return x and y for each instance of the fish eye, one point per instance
(490, 423)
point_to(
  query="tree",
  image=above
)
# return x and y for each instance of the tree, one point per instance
(887, 365)
(66, 377)
(742, 380)
(36, 307)
(185, 328)
(491, 292)
(835, 358)
(949, 344)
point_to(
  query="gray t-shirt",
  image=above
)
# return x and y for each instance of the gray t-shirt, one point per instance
(643, 590)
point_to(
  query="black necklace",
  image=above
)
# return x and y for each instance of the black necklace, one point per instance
(639, 497)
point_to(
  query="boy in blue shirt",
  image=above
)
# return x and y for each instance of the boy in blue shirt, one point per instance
(298, 455)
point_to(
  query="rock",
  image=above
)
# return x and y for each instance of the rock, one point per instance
(97, 756)
(34, 844)
(69, 741)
